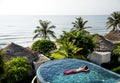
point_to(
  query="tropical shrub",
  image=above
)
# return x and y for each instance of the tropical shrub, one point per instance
(81, 39)
(116, 51)
(117, 70)
(110, 65)
(1, 65)
(117, 43)
(17, 69)
(57, 55)
(43, 46)
(68, 49)
(116, 54)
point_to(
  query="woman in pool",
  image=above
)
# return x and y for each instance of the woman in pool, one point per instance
(73, 71)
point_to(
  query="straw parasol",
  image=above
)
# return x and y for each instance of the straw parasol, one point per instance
(14, 50)
(113, 35)
(103, 45)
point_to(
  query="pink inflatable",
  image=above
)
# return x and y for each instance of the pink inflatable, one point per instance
(74, 71)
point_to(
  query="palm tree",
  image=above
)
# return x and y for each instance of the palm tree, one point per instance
(44, 30)
(114, 21)
(79, 24)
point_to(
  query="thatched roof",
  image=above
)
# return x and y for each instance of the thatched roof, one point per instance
(103, 44)
(14, 50)
(113, 36)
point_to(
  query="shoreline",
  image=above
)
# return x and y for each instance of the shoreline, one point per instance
(22, 44)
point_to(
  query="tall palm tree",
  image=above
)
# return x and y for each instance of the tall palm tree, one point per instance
(44, 30)
(114, 21)
(79, 24)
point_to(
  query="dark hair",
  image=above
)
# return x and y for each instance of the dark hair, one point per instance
(86, 67)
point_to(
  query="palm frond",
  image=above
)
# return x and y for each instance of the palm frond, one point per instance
(35, 36)
(38, 27)
(84, 23)
(52, 33)
(52, 27)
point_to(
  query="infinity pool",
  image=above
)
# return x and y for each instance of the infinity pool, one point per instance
(52, 72)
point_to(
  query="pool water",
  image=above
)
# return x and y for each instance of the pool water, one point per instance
(83, 77)
(52, 72)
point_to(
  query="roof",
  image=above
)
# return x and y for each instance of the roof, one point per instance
(103, 44)
(113, 35)
(14, 50)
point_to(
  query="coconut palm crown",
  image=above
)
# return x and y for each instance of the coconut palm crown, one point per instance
(79, 24)
(44, 30)
(114, 21)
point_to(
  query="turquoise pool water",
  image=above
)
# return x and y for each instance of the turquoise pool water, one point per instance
(52, 72)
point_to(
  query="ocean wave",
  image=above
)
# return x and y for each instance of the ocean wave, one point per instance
(12, 38)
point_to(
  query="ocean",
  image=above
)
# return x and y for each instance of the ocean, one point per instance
(19, 28)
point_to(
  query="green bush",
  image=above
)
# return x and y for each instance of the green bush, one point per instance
(117, 43)
(81, 39)
(116, 52)
(17, 69)
(117, 70)
(1, 65)
(68, 49)
(43, 46)
(110, 65)
(56, 55)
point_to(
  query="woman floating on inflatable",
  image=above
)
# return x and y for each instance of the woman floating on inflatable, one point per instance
(73, 71)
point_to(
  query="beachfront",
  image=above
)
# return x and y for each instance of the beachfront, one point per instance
(77, 43)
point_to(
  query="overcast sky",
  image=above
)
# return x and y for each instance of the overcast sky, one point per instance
(58, 7)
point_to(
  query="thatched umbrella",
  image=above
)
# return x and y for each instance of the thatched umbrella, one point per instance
(14, 50)
(103, 45)
(113, 35)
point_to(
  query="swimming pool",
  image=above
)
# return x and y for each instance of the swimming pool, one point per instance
(52, 72)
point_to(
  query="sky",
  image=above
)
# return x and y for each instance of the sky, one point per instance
(58, 7)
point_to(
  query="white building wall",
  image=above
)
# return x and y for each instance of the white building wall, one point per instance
(42, 59)
(100, 57)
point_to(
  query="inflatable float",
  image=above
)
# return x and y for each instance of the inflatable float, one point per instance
(74, 71)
